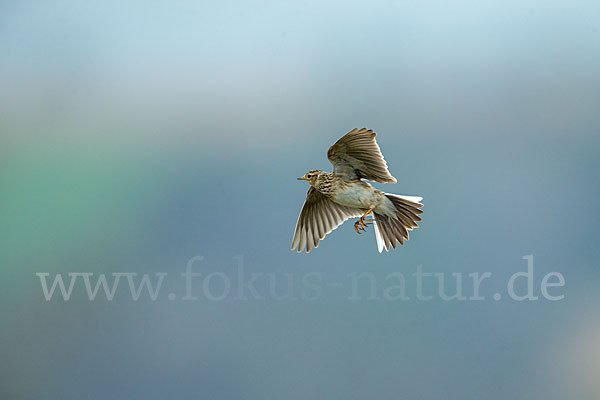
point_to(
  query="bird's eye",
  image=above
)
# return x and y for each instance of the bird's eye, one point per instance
(309, 176)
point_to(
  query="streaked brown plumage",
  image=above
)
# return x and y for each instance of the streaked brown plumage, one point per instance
(333, 197)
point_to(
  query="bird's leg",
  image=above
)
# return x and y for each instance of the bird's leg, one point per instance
(362, 223)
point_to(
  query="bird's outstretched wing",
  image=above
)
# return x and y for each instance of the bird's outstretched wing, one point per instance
(318, 217)
(356, 155)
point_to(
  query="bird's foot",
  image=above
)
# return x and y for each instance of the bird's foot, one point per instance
(361, 224)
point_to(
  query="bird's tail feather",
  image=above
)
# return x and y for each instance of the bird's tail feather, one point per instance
(392, 229)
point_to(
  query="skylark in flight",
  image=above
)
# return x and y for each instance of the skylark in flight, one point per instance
(333, 197)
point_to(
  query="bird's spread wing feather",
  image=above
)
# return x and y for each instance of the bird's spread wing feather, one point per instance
(356, 155)
(318, 217)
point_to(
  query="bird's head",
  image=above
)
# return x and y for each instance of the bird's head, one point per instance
(311, 176)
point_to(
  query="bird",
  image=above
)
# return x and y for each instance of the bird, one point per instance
(334, 197)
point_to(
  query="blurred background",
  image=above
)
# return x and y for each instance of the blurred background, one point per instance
(136, 135)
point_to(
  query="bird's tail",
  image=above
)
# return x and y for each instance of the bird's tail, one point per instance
(390, 229)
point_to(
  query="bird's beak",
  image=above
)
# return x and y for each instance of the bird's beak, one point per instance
(302, 179)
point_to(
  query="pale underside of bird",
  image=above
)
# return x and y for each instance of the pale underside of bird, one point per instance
(333, 197)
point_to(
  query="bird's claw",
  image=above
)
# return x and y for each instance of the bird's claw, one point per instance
(358, 228)
(361, 224)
